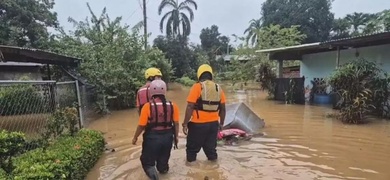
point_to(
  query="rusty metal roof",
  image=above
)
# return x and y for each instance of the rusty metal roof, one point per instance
(21, 54)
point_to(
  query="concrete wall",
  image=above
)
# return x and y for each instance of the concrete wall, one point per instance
(321, 65)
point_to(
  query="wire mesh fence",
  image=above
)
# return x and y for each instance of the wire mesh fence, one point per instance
(29, 106)
(89, 99)
(25, 106)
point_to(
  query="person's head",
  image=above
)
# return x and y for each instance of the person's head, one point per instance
(152, 74)
(205, 72)
(157, 88)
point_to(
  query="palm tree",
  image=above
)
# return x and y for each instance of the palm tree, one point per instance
(254, 27)
(357, 20)
(176, 17)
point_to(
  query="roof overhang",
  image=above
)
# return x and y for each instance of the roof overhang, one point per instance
(296, 52)
(20, 54)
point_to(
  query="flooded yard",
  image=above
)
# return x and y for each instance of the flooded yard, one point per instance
(299, 143)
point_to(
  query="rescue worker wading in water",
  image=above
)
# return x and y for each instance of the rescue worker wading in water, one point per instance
(143, 93)
(206, 105)
(160, 120)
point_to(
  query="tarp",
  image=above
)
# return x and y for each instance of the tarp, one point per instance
(240, 116)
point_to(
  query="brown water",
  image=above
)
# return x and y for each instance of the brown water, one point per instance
(299, 143)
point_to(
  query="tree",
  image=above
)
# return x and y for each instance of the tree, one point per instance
(176, 17)
(212, 41)
(25, 22)
(275, 36)
(340, 29)
(357, 20)
(313, 17)
(177, 51)
(113, 58)
(254, 26)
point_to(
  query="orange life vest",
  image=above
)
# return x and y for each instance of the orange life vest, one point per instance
(143, 95)
(160, 119)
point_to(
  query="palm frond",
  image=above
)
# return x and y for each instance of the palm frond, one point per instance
(186, 24)
(189, 3)
(163, 20)
(167, 3)
(190, 11)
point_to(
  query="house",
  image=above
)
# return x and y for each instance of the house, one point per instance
(319, 60)
(16, 62)
(228, 58)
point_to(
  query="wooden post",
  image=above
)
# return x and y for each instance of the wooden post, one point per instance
(280, 69)
(338, 57)
(145, 25)
(48, 72)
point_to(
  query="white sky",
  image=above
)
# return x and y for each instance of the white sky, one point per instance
(231, 16)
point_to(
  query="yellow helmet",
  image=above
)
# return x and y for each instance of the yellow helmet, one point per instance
(204, 68)
(151, 72)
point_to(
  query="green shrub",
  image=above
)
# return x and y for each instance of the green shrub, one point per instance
(68, 158)
(363, 88)
(62, 121)
(21, 99)
(186, 81)
(3, 174)
(11, 144)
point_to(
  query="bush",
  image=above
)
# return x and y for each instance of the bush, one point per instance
(21, 99)
(186, 81)
(11, 144)
(266, 77)
(62, 121)
(68, 158)
(363, 88)
(3, 174)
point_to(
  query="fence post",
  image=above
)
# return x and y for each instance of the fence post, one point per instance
(81, 121)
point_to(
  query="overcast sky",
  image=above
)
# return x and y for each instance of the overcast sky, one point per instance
(231, 16)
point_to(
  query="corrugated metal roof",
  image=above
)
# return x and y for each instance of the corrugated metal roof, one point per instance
(37, 50)
(356, 37)
(302, 46)
(22, 54)
(324, 43)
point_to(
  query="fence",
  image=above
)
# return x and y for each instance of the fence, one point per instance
(25, 106)
(284, 85)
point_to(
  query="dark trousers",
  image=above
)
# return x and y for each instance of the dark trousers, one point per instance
(156, 147)
(202, 135)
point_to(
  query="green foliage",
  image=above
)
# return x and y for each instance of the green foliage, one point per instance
(25, 22)
(113, 58)
(360, 23)
(363, 88)
(156, 59)
(254, 26)
(11, 144)
(186, 81)
(274, 36)
(21, 99)
(314, 17)
(63, 121)
(176, 17)
(177, 51)
(3, 174)
(290, 93)
(68, 158)
(266, 77)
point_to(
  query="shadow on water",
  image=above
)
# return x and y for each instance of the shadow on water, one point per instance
(299, 143)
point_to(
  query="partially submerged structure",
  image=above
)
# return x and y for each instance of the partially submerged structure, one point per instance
(240, 116)
(318, 60)
(16, 62)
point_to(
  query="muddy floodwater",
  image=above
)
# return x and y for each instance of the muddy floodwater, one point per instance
(299, 142)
